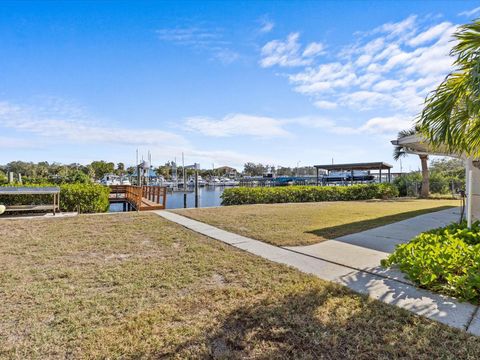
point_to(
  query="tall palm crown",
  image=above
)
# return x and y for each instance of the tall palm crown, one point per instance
(399, 150)
(451, 116)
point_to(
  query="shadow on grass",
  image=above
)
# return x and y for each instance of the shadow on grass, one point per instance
(328, 323)
(357, 226)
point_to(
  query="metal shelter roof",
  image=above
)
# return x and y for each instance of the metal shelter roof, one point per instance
(356, 166)
(28, 190)
(416, 144)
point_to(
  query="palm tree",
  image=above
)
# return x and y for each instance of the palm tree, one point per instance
(400, 151)
(451, 116)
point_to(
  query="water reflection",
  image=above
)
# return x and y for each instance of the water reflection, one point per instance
(208, 196)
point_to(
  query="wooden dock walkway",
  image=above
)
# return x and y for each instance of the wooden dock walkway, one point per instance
(141, 198)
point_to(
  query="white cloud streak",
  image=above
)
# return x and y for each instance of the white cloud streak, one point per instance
(267, 25)
(58, 124)
(469, 13)
(393, 66)
(77, 128)
(288, 53)
(210, 40)
(237, 125)
(265, 127)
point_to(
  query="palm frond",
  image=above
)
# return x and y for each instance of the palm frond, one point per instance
(451, 113)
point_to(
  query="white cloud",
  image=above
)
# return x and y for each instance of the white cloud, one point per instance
(367, 100)
(388, 125)
(386, 85)
(402, 29)
(254, 125)
(323, 104)
(77, 127)
(201, 39)
(391, 67)
(226, 56)
(431, 34)
(238, 125)
(56, 123)
(17, 143)
(472, 12)
(373, 46)
(267, 25)
(324, 77)
(313, 49)
(192, 36)
(288, 53)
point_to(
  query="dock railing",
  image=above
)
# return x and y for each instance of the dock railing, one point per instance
(155, 194)
(133, 195)
(140, 197)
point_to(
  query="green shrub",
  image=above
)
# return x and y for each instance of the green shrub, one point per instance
(439, 184)
(408, 184)
(269, 195)
(85, 198)
(446, 260)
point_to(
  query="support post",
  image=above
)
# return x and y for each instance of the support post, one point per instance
(351, 175)
(317, 176)
(184, 200)
(469, 198)
(380, 175)
(196, 188)
(389, 176)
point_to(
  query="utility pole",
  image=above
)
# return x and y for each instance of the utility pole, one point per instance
(195, 167)
(196, 187)
(184, 174)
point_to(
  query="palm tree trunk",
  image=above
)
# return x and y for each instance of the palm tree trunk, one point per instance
(425, 177)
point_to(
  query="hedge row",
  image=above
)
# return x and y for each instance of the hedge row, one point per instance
(270, 195)
(446, 260)
(85, 198)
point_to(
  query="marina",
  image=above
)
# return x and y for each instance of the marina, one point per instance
(208, 196)
(180, 192)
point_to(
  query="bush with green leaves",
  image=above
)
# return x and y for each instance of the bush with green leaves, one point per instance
(287, 194)
(446, 260)
(85, 198)
(408, 184)
(439, 184)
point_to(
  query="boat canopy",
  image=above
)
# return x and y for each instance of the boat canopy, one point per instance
(355, 166)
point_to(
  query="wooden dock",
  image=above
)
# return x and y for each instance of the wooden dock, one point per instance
(140, 198)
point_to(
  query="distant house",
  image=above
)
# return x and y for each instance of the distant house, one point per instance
(227, 171)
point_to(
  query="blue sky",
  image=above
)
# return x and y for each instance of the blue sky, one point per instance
(223, 82)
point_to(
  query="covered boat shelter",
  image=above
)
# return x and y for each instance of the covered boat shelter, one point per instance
(416, 144)
(367, 166)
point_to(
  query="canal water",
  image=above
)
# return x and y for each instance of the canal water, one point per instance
(208, 196)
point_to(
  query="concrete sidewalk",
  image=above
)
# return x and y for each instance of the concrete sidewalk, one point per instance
(384, 287)
(365, 250)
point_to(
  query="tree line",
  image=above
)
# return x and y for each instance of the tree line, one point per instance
(60, 173)
(96, 170)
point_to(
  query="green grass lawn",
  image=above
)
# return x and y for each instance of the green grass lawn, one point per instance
(310, 223)
(136, 286)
